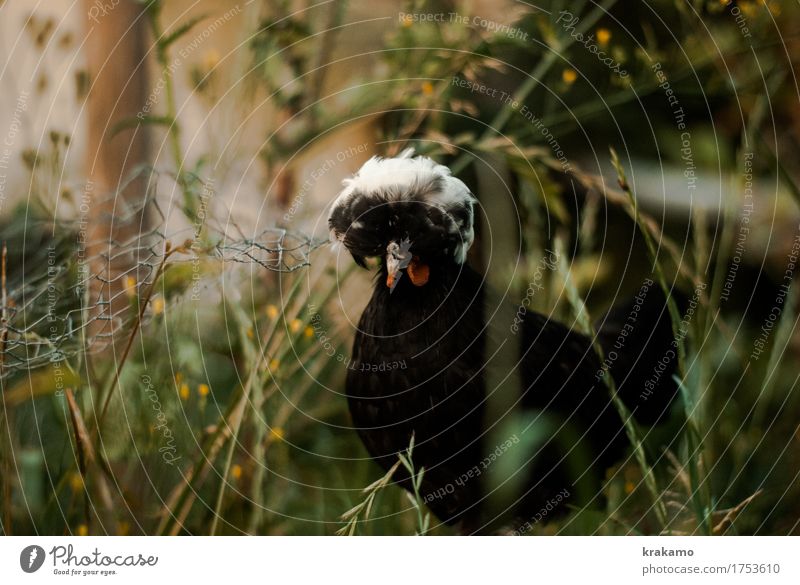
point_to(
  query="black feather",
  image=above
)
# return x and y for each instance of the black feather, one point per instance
(475, 382)
(439, 332)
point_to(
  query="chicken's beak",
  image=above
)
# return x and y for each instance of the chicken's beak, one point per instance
(397, 258)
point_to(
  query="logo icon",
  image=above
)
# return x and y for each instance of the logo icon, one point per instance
(31, 558)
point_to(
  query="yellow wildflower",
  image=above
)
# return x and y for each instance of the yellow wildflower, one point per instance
(210, 59)
(158, 306)
(203, 390)
(130, 285)
(76, 481)
(275, 434)
(236, 471)
(184, 391)
(272, 311)
(603, 36)
(749, 9)
(569, 76)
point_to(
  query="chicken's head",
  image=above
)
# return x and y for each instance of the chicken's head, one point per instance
(409, 211)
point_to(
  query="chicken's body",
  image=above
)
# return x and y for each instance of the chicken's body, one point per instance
(438, 397)
(439, 329)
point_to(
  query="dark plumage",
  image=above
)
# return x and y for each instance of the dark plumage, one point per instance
(418, 218)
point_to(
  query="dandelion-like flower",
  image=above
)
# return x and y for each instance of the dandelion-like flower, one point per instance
(158, 305)
(275, 434)
(130, 286)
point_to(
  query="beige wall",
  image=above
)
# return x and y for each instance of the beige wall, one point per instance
(230, 132)
(39, 59)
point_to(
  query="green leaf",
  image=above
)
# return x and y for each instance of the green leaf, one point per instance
(143, 120)
(418, 479)
(167, 40)
(42, 382)
(406, 463)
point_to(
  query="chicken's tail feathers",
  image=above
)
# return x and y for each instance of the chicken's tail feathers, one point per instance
(641, 352)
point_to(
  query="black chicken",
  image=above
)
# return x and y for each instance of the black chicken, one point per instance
(429, 310)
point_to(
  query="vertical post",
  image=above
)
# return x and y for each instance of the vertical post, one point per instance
(115, 48)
